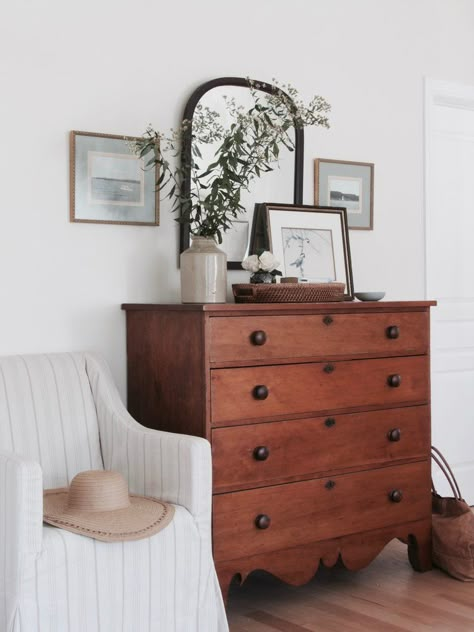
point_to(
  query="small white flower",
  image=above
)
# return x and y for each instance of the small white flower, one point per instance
(268, 262)
(251, 263)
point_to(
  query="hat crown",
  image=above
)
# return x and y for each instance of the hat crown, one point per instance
(98, 490)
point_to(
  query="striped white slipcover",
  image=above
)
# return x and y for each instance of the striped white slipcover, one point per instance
(61, 414)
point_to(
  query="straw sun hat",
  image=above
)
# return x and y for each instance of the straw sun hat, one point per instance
(97, 504)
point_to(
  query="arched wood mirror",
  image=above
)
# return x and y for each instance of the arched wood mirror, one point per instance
(283, 185)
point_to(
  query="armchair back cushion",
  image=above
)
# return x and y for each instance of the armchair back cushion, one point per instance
(47, 414)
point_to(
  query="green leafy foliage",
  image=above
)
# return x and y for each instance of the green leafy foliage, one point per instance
(248, 148)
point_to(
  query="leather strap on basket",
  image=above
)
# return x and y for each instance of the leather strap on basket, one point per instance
(443, 465)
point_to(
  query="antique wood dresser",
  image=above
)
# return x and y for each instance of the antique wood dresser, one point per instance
(319, 420)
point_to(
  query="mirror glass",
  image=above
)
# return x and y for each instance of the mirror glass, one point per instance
(276, 186)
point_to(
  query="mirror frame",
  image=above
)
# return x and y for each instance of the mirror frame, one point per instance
(184, 233)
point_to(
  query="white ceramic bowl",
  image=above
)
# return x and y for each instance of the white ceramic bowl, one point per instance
(369, 296)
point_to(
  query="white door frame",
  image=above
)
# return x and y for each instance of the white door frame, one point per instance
(451, 95)
(448, 360)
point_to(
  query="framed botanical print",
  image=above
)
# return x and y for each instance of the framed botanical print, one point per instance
(311, 243)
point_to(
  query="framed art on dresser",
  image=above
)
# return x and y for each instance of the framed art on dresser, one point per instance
(311, 242)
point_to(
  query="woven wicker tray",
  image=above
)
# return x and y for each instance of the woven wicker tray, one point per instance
(288, 292)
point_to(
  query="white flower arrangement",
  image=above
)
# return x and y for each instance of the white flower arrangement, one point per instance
(265, 262)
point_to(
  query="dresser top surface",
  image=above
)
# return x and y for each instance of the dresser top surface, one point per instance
(222, 309)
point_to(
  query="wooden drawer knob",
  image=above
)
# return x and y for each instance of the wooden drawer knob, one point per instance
(328, 320)
(329, 368)
(330, 485)
(260, 392)
(330, 421)
(262, 521)
(394, 434)
(394, 380)
(258, 337)
(396, 496)
(261, 453)
(393, 332)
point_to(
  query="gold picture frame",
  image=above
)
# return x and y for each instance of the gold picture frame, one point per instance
(109, 184)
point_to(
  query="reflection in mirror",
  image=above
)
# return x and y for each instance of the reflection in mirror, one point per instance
(275, 185)
(283, 184)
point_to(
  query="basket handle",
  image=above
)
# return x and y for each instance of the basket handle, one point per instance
(244, 291)
(443, 465)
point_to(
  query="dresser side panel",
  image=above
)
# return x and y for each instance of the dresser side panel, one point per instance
(166, 370)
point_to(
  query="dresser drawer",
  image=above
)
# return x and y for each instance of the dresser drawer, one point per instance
(319, 509)
(264, 392)
(266, 453)
(317, 335)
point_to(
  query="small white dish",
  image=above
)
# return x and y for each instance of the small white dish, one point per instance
(369, 296)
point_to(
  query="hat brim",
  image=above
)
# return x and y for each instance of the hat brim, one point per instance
(144, 517)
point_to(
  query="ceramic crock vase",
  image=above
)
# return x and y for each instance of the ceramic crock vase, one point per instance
(203, 272)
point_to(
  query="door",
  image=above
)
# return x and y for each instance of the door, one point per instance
(449, 139)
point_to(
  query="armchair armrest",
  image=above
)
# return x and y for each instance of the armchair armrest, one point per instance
(21, 523)
(173, 467)
(21, 504)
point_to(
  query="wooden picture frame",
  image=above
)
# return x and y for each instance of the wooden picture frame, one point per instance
(348, 184)
(310, 242)
(109, 184)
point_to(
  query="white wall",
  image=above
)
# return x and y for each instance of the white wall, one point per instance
(112, 66)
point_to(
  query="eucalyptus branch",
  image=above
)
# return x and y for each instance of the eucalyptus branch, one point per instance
(247, 149)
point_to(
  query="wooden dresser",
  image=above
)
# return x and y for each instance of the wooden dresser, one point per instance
(319, 420)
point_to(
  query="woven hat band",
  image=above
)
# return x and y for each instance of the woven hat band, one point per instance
(98, 490)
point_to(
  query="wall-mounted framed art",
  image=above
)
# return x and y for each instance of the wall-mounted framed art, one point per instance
(109, 184)
(311, 242)
(346, 184)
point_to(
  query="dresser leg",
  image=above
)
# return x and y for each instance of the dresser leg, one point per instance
(225, 578)
(419, 550)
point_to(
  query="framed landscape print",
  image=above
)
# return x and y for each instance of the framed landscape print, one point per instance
(311, 243)
(349, 185)
(109, 183)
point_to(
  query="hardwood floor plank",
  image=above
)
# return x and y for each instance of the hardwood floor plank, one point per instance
(395, 610)
(300, 613)
(245, 624)
(276, 622)
(366, 622)
(459, 600)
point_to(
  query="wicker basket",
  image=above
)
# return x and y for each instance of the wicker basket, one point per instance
(288, 292)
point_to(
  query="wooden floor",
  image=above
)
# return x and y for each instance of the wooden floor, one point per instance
(387, 596)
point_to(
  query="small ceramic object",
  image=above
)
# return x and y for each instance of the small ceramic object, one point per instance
(369, 296)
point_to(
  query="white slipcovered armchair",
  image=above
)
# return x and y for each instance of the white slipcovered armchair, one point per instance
(61, 414)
